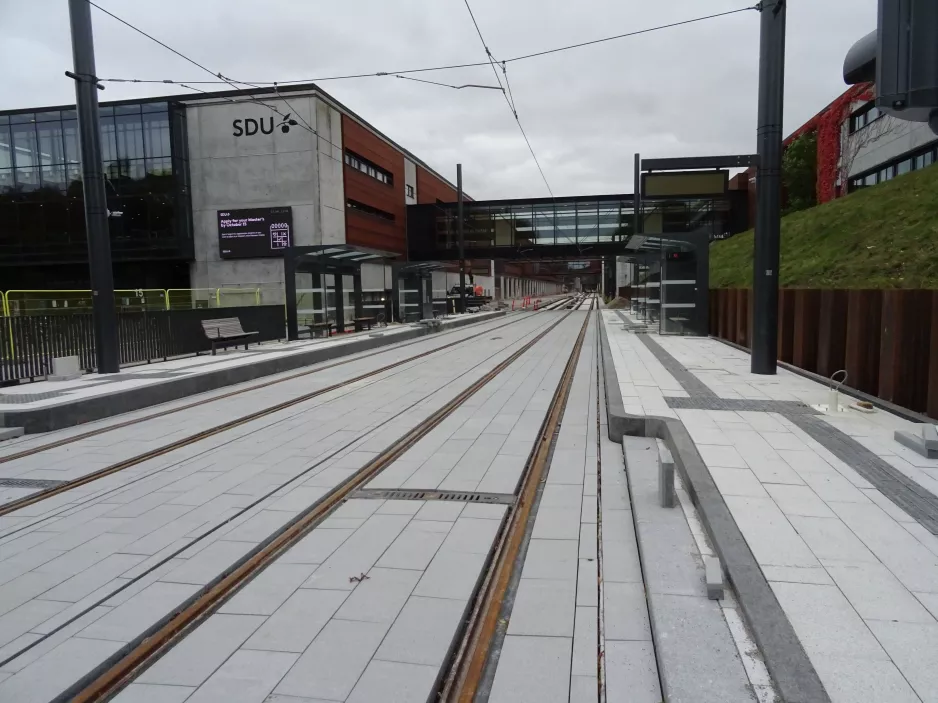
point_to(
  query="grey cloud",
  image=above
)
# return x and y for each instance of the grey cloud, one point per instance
(684, 91)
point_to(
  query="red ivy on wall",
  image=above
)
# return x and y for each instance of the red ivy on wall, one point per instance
(828, 123)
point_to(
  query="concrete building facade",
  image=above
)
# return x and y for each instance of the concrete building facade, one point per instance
(177, 166)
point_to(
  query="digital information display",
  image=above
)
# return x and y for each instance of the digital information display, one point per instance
(254, 232)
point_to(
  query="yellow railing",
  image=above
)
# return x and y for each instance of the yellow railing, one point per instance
(51, 302)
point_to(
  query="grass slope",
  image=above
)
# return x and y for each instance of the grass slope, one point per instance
(880, 237)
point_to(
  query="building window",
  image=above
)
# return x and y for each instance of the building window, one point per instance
(41, 207)
(359, 163)
(369, 210)
(409, 190)
(903, 165)
(864, 116)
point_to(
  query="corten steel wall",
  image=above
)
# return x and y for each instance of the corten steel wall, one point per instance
(366, 230)
(887, 340)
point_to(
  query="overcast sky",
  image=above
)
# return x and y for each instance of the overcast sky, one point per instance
(679, 92)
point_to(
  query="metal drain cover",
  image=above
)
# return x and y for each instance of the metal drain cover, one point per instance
(460, 496)
(28, 483)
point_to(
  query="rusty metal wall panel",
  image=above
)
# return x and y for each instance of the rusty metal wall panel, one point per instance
(864, 314)
(932, 383)
(805, 335)
(742, 317)
(786, 322)
(731, 296)
(832, 332)
(904, 348)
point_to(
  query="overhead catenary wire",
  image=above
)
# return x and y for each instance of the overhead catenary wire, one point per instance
(508, 99)
(228, 81)
(448, 67)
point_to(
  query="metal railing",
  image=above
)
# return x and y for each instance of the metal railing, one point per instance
(16, 303)
(29, 343)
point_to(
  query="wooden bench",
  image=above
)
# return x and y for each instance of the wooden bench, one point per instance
(360, 322)
(321, 328)
(225, 331)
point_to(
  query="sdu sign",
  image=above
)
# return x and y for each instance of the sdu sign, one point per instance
(249, 127)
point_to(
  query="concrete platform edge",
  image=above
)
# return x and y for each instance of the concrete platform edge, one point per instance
(81, 410)
(795, 678)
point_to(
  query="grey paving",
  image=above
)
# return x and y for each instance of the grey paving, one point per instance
(632, 673)
(247, 677)
(689, 382)
(423, 631)
(908, 495)
(393, 682)
(168, 527)
(533, 669)
(194, 659)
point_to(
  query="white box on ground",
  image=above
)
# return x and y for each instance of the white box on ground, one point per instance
(65, 368)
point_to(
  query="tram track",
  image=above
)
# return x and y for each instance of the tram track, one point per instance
(463, 675)
(111, 676)
(266, 384)
(299, 478)
(14, 505)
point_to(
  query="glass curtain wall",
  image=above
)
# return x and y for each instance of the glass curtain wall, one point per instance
(521, 224)
(41, 205)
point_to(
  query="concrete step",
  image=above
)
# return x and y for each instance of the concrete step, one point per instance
(692, 639)
(10, 432)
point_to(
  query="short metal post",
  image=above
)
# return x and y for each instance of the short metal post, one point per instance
(665, 478)
(461, 235)
(289, 280)
(339, 302)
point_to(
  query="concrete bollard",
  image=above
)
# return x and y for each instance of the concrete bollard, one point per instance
(665, 477)
(714, 574)
(65, 368)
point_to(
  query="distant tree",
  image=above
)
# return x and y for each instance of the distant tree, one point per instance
(799, 173)
(852, 144)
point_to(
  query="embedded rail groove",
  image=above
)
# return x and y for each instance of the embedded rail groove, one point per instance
(109, 679)
(14, 505)
(163, 413)
(466, 669)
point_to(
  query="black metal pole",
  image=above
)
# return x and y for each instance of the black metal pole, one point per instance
(96, 213)
(768, 188)
(637, 196)
(289, 281)
(462, 243)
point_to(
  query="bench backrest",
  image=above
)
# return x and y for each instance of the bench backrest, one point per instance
(222, 327)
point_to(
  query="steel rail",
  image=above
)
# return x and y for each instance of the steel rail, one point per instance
(114, 675)
(25, 501)
(465, 671)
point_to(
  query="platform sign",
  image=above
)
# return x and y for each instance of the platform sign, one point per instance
(684, 184)
(253, 233)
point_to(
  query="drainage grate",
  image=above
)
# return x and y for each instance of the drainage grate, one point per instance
(459, 496)
(28, 483)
